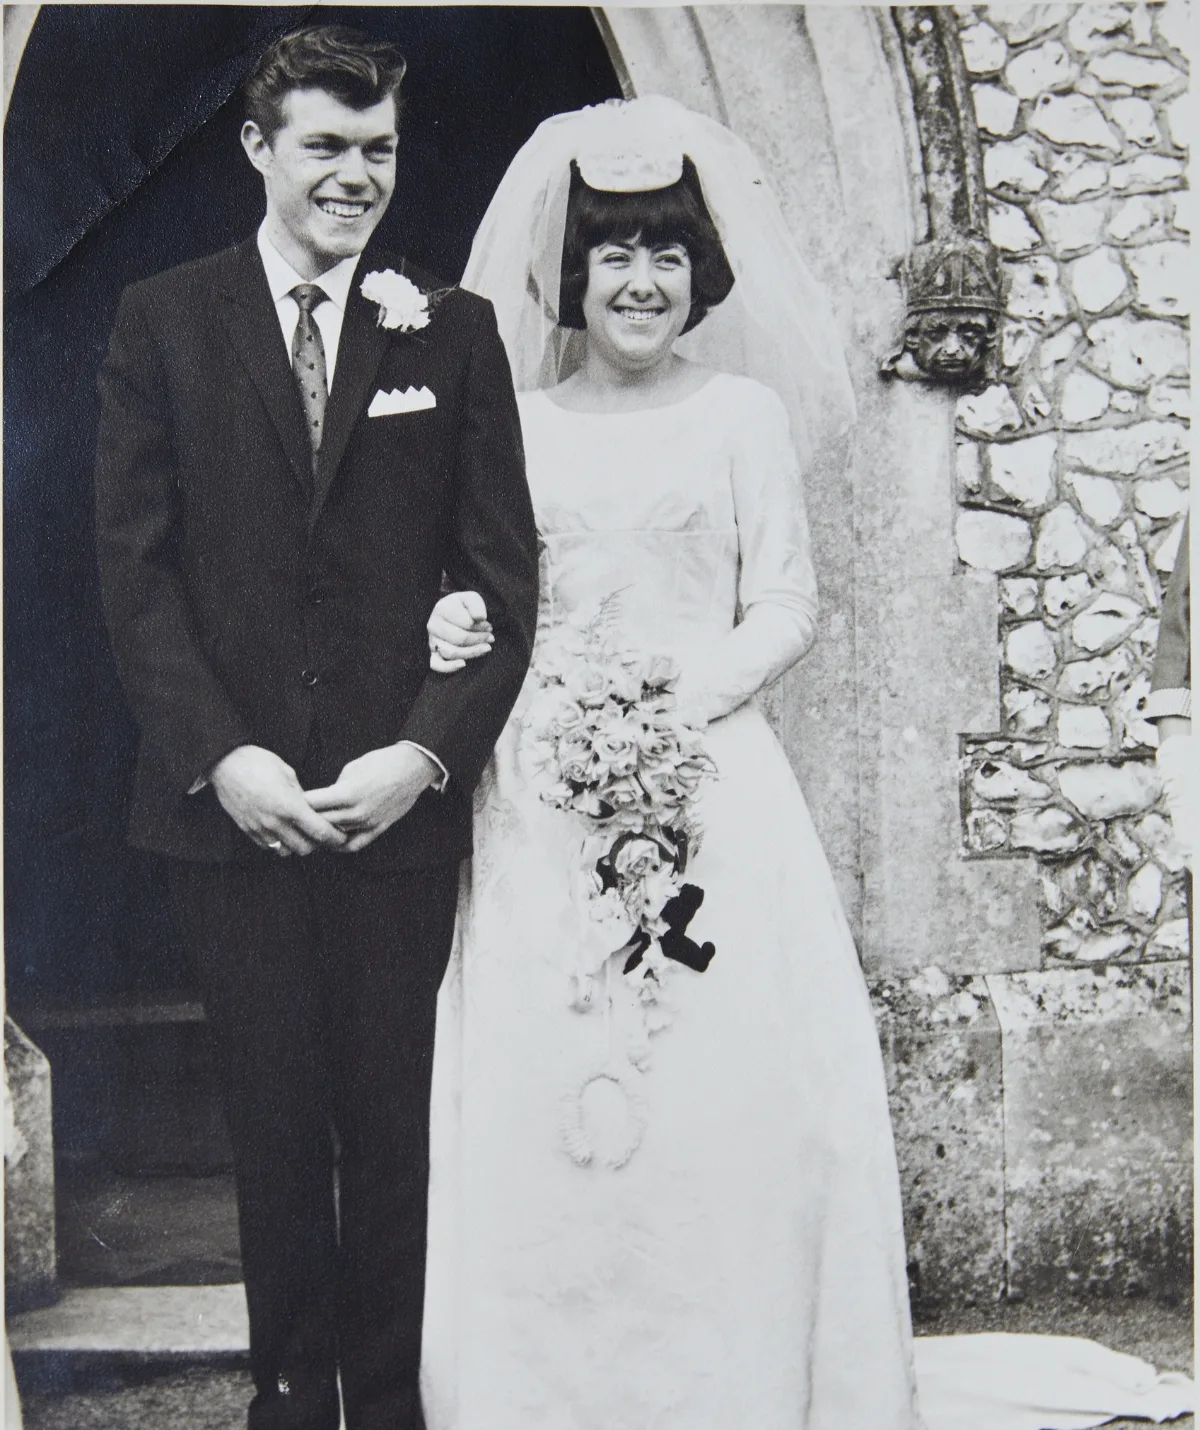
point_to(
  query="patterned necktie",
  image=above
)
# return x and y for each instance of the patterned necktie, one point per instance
(308, 362)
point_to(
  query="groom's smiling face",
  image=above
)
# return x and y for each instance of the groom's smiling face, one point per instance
(329, 171)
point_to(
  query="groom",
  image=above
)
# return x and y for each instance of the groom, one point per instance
(286, 470)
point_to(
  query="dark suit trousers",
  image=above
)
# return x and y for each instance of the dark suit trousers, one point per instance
(320, 983)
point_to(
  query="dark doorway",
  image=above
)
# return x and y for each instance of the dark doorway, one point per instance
(121, 159)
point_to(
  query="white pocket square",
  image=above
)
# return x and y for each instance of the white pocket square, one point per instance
(412, 399)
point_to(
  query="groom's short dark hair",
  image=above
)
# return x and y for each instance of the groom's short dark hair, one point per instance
(353, 67)
(675, 214)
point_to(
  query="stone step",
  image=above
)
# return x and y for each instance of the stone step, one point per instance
(132, 1325)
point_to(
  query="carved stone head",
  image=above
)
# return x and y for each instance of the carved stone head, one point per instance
(954, 294)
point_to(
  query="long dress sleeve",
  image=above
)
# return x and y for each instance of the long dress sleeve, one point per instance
(777, 588)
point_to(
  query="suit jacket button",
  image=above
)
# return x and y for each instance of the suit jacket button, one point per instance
(309, 677)
(315, 596)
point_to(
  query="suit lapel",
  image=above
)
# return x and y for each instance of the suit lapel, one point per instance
(250, 320)
(360, 351)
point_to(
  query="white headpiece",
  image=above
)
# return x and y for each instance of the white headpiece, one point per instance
(776, 324)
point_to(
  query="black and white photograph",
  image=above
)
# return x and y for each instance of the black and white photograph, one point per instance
(599, 793)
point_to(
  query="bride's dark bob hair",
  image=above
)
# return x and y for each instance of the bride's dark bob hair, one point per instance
(676, 214)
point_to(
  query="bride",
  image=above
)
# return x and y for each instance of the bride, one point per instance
(663, 1192)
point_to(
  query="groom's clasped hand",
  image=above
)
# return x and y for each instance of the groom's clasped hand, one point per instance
(262, 795)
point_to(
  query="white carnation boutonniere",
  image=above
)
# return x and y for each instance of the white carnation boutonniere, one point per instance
(402, 305)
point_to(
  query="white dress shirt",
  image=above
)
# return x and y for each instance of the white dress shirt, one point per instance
(335, 281)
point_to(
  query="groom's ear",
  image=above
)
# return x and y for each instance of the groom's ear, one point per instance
(254, 142)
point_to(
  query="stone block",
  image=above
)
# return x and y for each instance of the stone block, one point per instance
(1034, 71)
(1173, 23)
(1076, 174)
(995, 109)
(1136, 120)
(1162, 277)
(1169, 399)
(1177, 121)
(1146, 173)
(1072, 228)
(1029, 650)
(1083, 727)
(1099, 498)
(1100, 790)
(1014, 166)
(941, 1047)
(984, 49)
(1024, 470)
(1098, 280)
(1062, 538)
(1084, 397)
(1009, 229)
(1019, 595)
(1065, 593)
(30, 1261)
(989, 413)
(1097, 1113)
(1022, 23)
(1094, 27)
(1159, 498)
(1073, 119)
(1138, 218)
(1081, 679)
(1137, 352)
(1035, 292)
(1106, 623)
(992, 540)
(1123, 451)
(1136, 71)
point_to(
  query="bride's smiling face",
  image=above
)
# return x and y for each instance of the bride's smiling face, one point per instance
(637, 302)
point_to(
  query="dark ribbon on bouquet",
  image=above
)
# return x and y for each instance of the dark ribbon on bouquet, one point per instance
(677, 912)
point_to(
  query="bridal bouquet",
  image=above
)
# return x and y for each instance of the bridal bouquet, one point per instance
(614, 749)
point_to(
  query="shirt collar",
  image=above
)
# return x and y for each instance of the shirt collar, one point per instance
(282, 277)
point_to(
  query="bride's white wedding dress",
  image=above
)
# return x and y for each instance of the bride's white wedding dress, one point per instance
(745, 1266)
(743, 1269)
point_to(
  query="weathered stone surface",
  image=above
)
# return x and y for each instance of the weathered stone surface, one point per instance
(1062, 538)
(1084, 397)
(1093, 27)
(984, 49)
(1019, 594)
(1177, 121)
(1002, 782)
(30, 1259)
(1159, 498)
(1161, 274)
(1083, 727)
(1173, 23)
(1167, 549)
(1016, 344)
(987, 831)
(989, 413)
(1169, 399)
(1097, 1113)
(1026, 22)
(1072, 119)
(941, 1052)
(1014, 166)
(1129, 709)
(1058, 349)
(1027, 711)
(1024, 469)
(1123, 401)
(1181, 206)
(1137, 352)
(1098, 280)
(1099, 790)
(1137, 121)
(1136, 71)
(968, 466)
(1145, 892)
(1029, 650)
(1157, 836)
(1125, 450)
(995, 109)
(1170, 940)
(1071, 228)
(1107, 567)
(1036, 70)
(1047, 831)
(1100, 499)
(1082, 678)
(1146, 173)
(1035, 293)
(992, 540)
(1105, 623)
(1009, 229)
(1065, 593)
(1076, 174)
(1140, 217)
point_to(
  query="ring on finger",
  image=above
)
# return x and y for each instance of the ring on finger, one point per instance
(276, 846)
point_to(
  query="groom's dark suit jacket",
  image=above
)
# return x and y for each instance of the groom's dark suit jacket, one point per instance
(251, 603)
